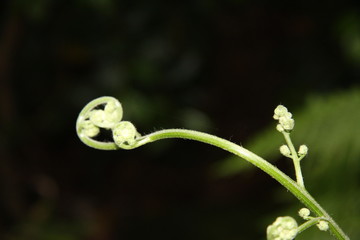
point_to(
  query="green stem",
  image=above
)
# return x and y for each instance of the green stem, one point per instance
(296, 160)
(296, 189)
(308, 224)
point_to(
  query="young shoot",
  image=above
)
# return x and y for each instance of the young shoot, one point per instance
(105, 114)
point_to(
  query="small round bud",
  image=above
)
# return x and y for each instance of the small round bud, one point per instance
(284, 228)
(303, 150)
(287, 115)
(323, 225)
(279, 128)
(287, 123)
(280, 111)
(284, 150)
(89, 129)
(304, 213)
(109, 117)
(114, 112)
(111, 106)
(124, 134)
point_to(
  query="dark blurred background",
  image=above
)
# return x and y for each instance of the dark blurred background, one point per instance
(214, 66)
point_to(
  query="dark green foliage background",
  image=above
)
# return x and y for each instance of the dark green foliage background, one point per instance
(214, 66)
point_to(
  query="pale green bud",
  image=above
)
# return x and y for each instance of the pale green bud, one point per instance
(284, 228)
(109, 117)
(111, 106)
(280, 111)
(114, 112)
(97, 117)
(89, 129)
(304, 213)
(124, 134)
(279, 128)
(287, 115)
(287, 123)
(285, 150)
(303, 150)
(323, 225)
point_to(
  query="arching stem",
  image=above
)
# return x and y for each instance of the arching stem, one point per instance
(298, 191)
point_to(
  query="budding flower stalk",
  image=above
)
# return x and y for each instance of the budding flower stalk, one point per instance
(286, 122)
(105, 114)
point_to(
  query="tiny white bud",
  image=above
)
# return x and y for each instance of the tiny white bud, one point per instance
(280, 111)
(110, 107)
(287, 115)
(323, 225)
(279, 128)
(113, 111)
(304, 213)
(109, 117)
(284, 150)
(303, 150)
(287, 123)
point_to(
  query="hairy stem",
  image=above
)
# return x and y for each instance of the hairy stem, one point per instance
(296, 189)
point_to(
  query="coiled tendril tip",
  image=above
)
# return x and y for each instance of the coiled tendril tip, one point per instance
(105, 114)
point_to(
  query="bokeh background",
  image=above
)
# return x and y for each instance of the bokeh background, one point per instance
(214, 66)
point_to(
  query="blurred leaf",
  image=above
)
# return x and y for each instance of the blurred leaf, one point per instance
(194, 119)
(348, 29)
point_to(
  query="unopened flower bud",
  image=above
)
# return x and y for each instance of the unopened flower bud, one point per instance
(279, 128)
(113, 111)
(89, 129)
(287, 123)
(109, 117)
(304, 213)
(284, 150)
(323, 225)
(124, 134)
(280, 111)
(303, 150)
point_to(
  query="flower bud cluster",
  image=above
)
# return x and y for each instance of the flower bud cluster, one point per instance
(109, 117)
(321, 224)
(284, 228)
(286, 122)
